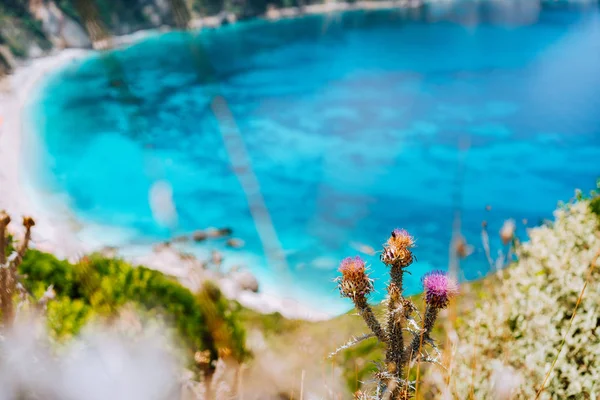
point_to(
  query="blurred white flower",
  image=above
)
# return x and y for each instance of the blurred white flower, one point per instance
(521, 320)
(505, 381)
(99, 365)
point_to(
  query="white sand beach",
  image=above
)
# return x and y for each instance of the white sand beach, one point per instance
(57, 230)
(16, 91)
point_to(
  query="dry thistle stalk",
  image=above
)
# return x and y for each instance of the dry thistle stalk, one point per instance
(356, 285)
(509, 239)
(223, 383)
(9, 266)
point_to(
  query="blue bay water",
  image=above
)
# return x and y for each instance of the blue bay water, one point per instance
(353, 124)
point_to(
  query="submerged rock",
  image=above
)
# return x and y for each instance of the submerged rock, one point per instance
(235, 243)
(199, 236)
(218, 232)
(181, 239)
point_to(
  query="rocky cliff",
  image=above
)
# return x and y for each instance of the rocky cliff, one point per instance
(29, 28)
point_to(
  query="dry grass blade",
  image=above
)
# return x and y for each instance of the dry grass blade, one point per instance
(418, 364)
(302, 385)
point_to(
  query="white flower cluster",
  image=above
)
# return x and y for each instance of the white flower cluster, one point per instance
(509, 340)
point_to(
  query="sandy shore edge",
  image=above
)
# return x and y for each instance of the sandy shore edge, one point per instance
(57, 230)
(16, 92)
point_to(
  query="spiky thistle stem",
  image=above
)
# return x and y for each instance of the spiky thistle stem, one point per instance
(8, 268)
(418, 341)
(355, 284)
(350, 343)
(395, 359)
(366, 312)
(397, 276)
(4, 221)
(397, 255)
(28, 223)
(6, 292)
(395, 322)
(439, 289)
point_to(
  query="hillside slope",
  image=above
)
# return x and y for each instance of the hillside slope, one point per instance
(507, 326)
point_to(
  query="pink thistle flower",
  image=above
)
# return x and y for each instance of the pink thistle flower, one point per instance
(355, 281)
(439, 289)
(352, 265)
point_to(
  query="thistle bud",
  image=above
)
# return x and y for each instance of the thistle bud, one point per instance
(396, 250)
(355, 281)
(439, 289)
(462, 248)
(28, 222)
(4, 218)
(507, 232)
(400, 238)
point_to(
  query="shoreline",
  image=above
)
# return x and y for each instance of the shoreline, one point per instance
(328, 7)
(59, 232)
(16, 92)
(275, 14)
(57, 229)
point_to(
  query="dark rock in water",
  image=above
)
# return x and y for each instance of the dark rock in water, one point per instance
(199, 236)
(181, 239)
(225, 231)
(235, 243)
(218, 232)
(161, 246)
(211, 233)
(115, 83)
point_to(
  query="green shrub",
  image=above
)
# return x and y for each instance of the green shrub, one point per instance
(66, 317)
(42, 269)
(222, 320)
(101, 286)
(595, 200)
(595, 206)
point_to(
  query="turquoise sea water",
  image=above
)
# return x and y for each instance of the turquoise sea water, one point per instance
(346, 126)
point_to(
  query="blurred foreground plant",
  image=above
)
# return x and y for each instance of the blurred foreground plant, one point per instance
(534, 334)
(100, 286)
(135, 302)
(393, 377)
(9, 265)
